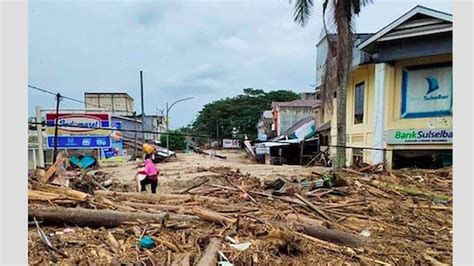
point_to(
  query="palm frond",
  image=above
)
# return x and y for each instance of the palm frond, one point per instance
(303, 10)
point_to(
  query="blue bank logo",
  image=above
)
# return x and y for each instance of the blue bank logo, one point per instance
(432, 84)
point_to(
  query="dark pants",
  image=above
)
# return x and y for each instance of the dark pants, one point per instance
(146, 181)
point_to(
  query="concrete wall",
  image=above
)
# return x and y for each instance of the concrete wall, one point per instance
(362, 135)
(120, 104)
(288, 116)
(393, 118)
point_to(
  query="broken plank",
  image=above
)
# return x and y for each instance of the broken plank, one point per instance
(314, 207)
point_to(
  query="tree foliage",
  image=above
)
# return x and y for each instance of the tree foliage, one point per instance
(176, 142)
(339, 57)
(238, 116)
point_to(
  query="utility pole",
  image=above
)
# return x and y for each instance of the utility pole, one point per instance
(167, 135)
(135, 119)
(167, 123)
(39, 131)
(55, 151)
(143, 106)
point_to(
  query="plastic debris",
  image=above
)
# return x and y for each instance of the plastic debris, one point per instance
(147, 242)
(365, 233)
(241, 246)
(224, 261)
(68, 231)
(230, 239)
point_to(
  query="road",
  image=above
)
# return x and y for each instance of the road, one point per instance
(186, 167)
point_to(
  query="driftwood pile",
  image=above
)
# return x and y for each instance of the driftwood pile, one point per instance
(384, 218)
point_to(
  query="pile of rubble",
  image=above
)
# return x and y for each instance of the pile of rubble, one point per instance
(368, 216)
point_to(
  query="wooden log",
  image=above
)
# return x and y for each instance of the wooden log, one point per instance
(305, 220)
(70, 193)
(209, 258)
(333, 236)
(151, 257)
(97, 218)
(433, 261)
(36, 195)
(60, 159)
(212, 216)
(182, 260)
(168, 244)
(194, 186)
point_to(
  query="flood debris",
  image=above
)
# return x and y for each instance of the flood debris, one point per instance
(234, 218)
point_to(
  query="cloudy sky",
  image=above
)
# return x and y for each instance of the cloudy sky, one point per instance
(204, 49)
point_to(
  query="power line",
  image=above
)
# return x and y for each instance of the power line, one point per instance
(123, 130)
(72, 99)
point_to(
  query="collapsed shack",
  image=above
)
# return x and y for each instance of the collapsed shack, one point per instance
(298, 145)
(367, 217)
(161, 153)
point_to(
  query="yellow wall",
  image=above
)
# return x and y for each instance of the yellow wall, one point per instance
(360, 135)
(393, 94)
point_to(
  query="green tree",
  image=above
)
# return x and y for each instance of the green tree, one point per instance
(339, 58)
(221, 117)
(177, 142)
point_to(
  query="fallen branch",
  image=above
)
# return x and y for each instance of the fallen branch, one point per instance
(412, 191)
(241, 189)
(194, 186)
(314, 207)
(209, 257)
(352, 171)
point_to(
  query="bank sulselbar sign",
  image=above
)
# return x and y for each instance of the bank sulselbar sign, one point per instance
(419, 136)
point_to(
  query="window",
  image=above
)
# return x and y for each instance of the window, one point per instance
(359, 103)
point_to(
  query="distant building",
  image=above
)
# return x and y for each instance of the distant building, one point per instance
(265, 124)
(119, 103)
(286, 114)
(155, 123)
(308, 96)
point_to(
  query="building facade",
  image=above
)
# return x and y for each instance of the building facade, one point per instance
(286, 114)
(399, 102)
(119, 103)
(265, 124)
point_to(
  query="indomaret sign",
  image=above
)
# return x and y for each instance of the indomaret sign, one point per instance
(419, 136)
(79, 130)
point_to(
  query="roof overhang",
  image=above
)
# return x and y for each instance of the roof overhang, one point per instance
(407, 32)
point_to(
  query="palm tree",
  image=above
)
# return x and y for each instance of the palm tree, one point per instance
(338, 60)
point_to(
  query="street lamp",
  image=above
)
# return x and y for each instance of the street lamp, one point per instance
(167, 123)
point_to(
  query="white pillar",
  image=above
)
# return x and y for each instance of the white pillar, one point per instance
(39, 130)
(379, 104)
(34, 158)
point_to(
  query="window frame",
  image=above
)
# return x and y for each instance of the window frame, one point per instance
(362, 97)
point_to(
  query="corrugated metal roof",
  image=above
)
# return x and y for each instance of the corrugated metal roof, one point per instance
(325, 126)
(297, 125)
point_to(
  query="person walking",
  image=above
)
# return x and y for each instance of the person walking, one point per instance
(151, 173)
